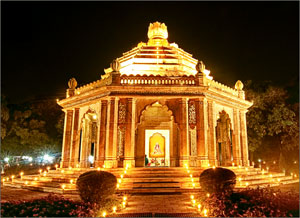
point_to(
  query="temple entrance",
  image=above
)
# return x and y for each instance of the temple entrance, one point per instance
(224, 140)
(157, 137)
(157, 147)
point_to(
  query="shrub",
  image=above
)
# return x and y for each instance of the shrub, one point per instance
(217, 180)
(96, 187)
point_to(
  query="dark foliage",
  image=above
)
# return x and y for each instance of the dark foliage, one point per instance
(252, 203)
(217, 180)
(95, 186)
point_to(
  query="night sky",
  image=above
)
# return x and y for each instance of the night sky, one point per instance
(44, 44)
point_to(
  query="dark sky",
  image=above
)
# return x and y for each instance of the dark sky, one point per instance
(44, 44)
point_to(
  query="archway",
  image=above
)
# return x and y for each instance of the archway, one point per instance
(88, 139)
(224, 140)
(155, 137)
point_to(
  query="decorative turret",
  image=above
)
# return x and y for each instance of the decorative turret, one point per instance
(72, 83)
(115, 74)
(158, 34)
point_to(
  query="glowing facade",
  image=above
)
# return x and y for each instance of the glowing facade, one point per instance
(155, 100)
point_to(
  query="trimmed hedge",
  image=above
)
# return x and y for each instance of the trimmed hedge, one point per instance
(96, 187)
(217, 180)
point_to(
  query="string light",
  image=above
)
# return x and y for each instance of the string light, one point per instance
(35, 179)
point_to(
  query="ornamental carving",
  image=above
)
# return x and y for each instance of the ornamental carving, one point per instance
(121, 140)
(193, 141)
(122, 113)
(72, 83)
(192, 114)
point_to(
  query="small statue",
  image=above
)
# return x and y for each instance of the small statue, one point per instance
(200, 67)
(72, 83)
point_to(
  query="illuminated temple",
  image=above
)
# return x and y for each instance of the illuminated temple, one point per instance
(159, 102)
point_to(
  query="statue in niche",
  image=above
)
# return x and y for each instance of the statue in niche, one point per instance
(157, 149)
(223, 133)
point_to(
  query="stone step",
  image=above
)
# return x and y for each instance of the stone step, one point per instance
(156, 184)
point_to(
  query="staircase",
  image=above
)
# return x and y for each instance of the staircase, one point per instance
(143, 181)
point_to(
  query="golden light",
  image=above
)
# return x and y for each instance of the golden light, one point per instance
(267, 168)
(240, 179)
(21, 174)
(194, 202)
(207, 195)
(122, 176)
(191, 175)
(192, 179)
(48, 168)
(292, 174)
(233, 164)
(127, 166)
(40, 170)
(104, 214)
(7, 179)
(114, 209)
(98, 168)
(103, 166)
(214, 167)
(274, 162)
(26, 182)
(247, 183)
(62, 171)
(271, 175)
(77, 165)
(124, 204)
(278, 179)
(3, 180)
(35, 179)
(246, 168)
(118, 186)
(199, 207)
(124, 198)
(192, 197)
(119, 180)
(193, 185)
(94, 116)
(70, 168)
(239, 166)
(188, 171)
(45, 174)
(71, 181)
(205, 212)
(56, 166)
(13, 176)
(63, 186)
(125, 171)
(208, 165)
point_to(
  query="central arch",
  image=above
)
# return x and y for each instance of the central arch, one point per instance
(156, 121)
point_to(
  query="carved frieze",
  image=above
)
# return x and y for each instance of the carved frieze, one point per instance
(193, 141)
(122, 112)
(192, 114)
(121, 140)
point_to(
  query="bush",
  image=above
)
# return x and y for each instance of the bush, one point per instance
(217, 180)
(96, 187)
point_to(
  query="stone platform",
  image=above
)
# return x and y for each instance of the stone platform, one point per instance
(172, 180)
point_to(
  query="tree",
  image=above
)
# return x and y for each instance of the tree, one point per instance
(271, 123)
(4, 116)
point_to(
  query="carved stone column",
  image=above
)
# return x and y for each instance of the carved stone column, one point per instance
(129, 152)
(115, 132)
(97, 148)
(236, 143)
(244, 139)
(65, 157)
(84, 159)
(75, 139)
(202, 143)
(184, 127)
(212, 150)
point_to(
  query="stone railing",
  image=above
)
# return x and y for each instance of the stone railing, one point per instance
(220, 86)
(93, 85)
(158, 80)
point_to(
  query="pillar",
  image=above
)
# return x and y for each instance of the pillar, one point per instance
(75, 139)
(84, 159)
(202, 143)
(212, 149)
(236, 143)
(65, 157)
(129, 148)
(101, 141)
(244, 139)
(184, 128)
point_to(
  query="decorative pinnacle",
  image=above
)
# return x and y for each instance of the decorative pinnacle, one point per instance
(157, 30)
(200, 67)
(72, 83)
(239, 85)
(115, 65)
